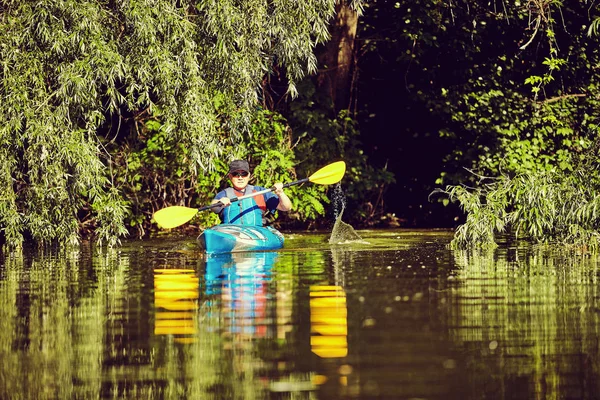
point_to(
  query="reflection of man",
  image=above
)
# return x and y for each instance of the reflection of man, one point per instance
(241, 280)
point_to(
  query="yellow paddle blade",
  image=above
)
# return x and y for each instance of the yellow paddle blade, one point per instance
(174, 216)
(330, 174)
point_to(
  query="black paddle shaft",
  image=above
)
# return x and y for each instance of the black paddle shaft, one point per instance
(234, 199)
(294, 183)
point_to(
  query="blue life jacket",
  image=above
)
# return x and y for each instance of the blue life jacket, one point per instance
(246, 211)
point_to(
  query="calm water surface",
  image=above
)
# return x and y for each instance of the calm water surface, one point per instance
(395, 316)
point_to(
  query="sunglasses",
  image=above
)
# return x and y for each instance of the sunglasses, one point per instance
(243, 174)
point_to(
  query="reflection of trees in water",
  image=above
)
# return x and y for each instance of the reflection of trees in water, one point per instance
(78, 325)
(85, 326)
(52, 318)
(528, 322)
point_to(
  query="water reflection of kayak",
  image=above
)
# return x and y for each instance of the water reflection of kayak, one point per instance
(231, 269)
(240, 281)
(228, 238)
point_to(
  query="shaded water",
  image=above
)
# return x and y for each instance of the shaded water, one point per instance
(396, 315)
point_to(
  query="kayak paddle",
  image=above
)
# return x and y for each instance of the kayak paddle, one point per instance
(173, 216)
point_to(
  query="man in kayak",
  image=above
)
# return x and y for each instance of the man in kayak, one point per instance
(251, 210)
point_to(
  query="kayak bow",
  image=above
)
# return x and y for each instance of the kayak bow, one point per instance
(229, 238)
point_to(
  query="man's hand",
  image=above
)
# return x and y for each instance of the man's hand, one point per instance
(278, 188)
(225, 201)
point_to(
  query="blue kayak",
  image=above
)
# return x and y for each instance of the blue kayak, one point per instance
(229, 238)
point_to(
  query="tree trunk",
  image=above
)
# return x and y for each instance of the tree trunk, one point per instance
(337, 60)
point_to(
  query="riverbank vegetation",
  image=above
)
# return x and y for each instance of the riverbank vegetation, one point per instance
(508, 92)
(115, 110)
(545, 207)
(95, 95)
(525, 114)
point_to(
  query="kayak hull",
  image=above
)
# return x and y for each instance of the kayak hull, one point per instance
(230, 238)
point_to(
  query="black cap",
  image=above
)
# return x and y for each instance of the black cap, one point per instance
(239, 165)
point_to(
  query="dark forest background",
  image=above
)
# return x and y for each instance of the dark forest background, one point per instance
(449, 93)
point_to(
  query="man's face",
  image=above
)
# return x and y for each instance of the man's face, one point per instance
(239, 179)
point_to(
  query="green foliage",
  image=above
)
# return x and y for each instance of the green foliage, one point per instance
(593, 29)
(547, 206)
(271, 151)
(77, 77)
(152, 171)
(513, 87)
(512, 91)
(503, 126)
(51, 166)
(268, 147)
(537, 142)
(111, 211)
(320, 139)
(534, 137)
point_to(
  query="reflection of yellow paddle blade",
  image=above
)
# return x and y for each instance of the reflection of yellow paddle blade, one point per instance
(333, 173)
(329, 346)
(328, 321)
(175, 301)
(174, 216)
(174, 327)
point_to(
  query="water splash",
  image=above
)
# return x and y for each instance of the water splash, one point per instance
(341, 232)
(338, 201)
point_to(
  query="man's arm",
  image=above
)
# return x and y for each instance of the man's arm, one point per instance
(285, 204)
